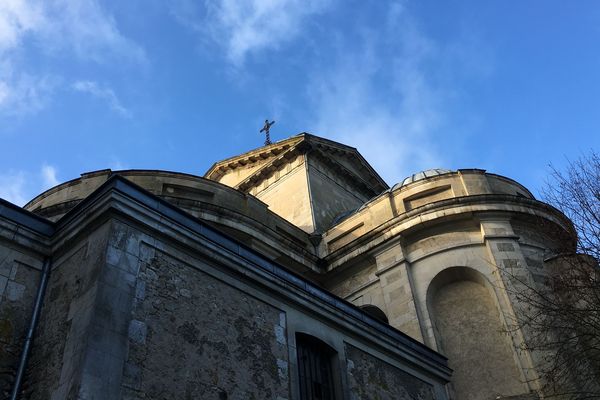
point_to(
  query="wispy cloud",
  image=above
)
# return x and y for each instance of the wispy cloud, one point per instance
(54, 28)
(49, 178)
(80, 26)
(85, 28)
(25, 94)
(17, 18)
(12, 187)
(377, 95)
(103, 93)
(19, 186)
(116, 165)
(250, 26)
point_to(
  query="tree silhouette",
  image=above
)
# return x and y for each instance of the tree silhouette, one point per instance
(560, 316)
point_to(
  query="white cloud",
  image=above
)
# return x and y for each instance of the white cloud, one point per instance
(17, 17)
(80, 26)
(243, 27)
(18, 186)
(12, 187)
(117, 165)
(48, 174)
(103, 93)
(55, 28)
(85, 28)
(377, 97)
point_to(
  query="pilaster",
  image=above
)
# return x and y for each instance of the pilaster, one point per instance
(509, 270)
(396, 283)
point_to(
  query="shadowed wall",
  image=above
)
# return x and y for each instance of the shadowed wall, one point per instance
(470, 330)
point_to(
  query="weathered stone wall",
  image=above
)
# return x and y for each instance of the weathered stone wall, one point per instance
(536, 247)
(197, 332)
(385, 283)
(442, 237)
(372, 378)
(60, 343)
(361, 286)
(193, 336)
(122, 319)
(19, 278)
(349, 282)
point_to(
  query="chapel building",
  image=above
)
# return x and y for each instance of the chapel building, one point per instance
(292, 271)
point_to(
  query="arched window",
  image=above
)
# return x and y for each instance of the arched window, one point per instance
(315, 372)
(375, 312)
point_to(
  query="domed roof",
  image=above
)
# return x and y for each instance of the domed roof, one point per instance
(428, 173)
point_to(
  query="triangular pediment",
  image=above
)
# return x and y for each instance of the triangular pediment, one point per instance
(234, 170)
(306, 179)
(251, 168)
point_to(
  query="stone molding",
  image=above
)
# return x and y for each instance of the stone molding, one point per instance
(437, 213)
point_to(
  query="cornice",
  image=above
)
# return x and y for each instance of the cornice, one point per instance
(369, 188)
(25, 218)
(261, 153)
(23, 228)
(438, 212)
(376, 183)
(268, 169)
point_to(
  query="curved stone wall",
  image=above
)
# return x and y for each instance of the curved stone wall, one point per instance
(390, 251)
(58, 200)
(241, 215)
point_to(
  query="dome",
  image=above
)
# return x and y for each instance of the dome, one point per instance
(428, 173)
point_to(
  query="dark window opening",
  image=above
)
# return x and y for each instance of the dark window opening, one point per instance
(375, 312)
(314, 368)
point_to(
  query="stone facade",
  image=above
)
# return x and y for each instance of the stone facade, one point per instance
(168, 285)
(19, 277)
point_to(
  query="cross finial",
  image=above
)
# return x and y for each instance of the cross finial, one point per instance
(266, 129)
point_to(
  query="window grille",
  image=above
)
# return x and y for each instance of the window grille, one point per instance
(314, 368)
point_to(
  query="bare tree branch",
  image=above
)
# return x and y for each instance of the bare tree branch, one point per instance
(560, 317)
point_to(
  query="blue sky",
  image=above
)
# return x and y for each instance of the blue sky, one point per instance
(178, 84)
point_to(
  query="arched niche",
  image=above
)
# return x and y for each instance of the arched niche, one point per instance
(375, 312)
(469, 331)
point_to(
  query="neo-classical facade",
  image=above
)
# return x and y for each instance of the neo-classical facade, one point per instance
(292, 271)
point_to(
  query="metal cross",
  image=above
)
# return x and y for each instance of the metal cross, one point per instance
(266, 129)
